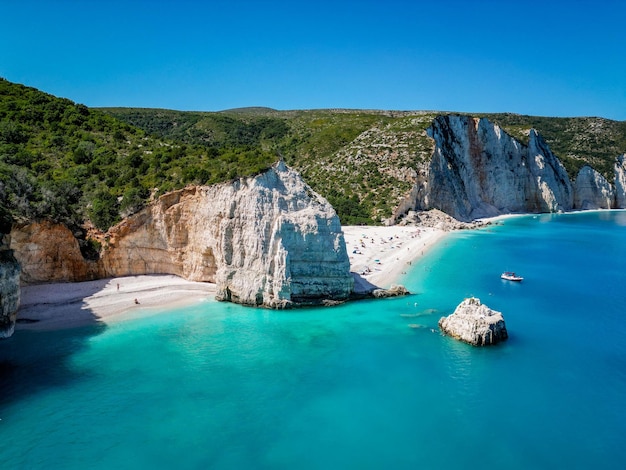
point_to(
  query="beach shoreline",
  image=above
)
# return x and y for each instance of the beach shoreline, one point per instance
(379, 257)
(65, 305)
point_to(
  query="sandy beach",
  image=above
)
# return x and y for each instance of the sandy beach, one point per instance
(63, 305)
(378, 257)
(381, 255)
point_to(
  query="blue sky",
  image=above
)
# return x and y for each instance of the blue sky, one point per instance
(550, 58)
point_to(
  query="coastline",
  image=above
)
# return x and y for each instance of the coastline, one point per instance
(379, 256)
(502, 217)
(65, 305)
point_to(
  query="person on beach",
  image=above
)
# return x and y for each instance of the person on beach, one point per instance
(136, 301)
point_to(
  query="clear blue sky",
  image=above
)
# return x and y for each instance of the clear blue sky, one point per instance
(551, 58)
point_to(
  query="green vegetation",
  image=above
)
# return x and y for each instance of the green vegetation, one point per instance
(364, 162)
(69, 163)
(63, 161)
(212, 130)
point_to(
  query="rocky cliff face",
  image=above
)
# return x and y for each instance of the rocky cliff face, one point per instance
(9, 288)
(620, 182)
(475, 323)
(477, 170)
(48, 252)
(592, 190)
(268, 240)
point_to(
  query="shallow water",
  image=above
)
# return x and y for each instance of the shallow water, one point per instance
(223, 386)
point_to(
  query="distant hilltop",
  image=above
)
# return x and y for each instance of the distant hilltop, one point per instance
(250, 110)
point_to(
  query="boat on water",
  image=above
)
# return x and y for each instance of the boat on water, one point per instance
(511, 276)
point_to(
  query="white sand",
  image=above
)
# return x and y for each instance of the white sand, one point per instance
(64, 305)
(382, 255)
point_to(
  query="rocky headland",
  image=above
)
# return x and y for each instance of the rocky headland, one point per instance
(266, 241)
(478, 170)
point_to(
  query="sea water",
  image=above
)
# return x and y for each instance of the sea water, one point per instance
(366, 385)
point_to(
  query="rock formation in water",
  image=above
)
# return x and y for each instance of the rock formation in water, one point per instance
(475, 323)
(9, 288)
(268, 240)
(478, 170)
(393, 291)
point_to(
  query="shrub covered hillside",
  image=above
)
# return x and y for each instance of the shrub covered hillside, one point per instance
(64, 161)
(363, 162)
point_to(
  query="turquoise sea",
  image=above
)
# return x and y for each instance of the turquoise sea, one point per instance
(351, 387)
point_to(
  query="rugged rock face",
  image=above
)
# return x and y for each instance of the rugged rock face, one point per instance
(475, 324)
(9, 288)
(393, 291)
(620, 182)
(268, 240)
(478, 170)
(439, 220)
(592, 190)
(48, 252)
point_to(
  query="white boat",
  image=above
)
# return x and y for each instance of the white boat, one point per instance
(511, 276)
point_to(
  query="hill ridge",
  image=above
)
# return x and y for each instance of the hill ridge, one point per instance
(68, 162)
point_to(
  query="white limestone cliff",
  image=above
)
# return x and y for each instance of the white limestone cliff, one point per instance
(592, 190)
(268, 240)
(478, 170)
(475, 323)
(620, 182)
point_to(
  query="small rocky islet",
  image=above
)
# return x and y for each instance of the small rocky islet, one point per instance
(474, 323)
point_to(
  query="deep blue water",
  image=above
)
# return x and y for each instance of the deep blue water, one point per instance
(226, 387)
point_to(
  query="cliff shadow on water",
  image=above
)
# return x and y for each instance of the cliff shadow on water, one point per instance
(33, 361)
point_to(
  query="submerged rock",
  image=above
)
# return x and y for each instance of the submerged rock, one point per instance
(475, 323)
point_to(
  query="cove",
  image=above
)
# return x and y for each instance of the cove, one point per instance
(224, 386)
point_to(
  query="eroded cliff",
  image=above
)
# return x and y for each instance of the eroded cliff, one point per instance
(268, 240)
(49, 252)
(9, 288)
(478, 170)
(620, 182)
(593, 191)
